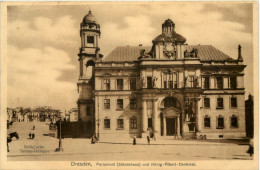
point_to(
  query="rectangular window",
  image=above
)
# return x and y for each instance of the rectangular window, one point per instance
(191, 127)
(120, 123)
(107, 104)
(234, 122)
(233, 101)
(191, 81)
(150, 123)
(88, 111)
(220, 104)
(207, 102)
(170, 81)
(107, 123)
(220, 122)
(133, 123)
(90, 39)
(207, 122)
(132, 83)
(175, 83)
(120, 104)
(119, 84)
(233, 82)
(165, 80)
(219, 83)
(107, 84)
(133, 104)
(206, 83)
(149, 83)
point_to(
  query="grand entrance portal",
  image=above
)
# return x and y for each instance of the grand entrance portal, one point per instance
(170, 126)
(170, 117)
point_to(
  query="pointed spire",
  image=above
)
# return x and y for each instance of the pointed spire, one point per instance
(239, 53)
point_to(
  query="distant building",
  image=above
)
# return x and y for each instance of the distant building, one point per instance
(170, 88)
(249, 116)
(73, 115)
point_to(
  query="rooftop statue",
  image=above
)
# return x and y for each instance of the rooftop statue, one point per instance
(192, 54)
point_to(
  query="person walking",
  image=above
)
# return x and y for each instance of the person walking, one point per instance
(93, 140)
(134, 140)
(148, 139)
(30, 135)
(33, 135)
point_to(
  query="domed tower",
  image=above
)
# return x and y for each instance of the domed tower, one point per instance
(169, 44)
(89, 51)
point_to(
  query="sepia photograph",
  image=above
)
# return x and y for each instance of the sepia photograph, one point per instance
(129, 85)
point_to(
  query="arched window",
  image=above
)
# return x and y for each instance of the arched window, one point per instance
(133, 123)
(170, 102)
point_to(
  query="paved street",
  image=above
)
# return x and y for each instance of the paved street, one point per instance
(43, 147)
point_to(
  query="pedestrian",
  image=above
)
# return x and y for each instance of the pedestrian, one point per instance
(134, 140)
(33, 127)
(148, 139)
(251, 147)
(93, 140)
(30, 135)
(153, 136)
(33, 135)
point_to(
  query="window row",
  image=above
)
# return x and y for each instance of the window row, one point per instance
(220, 122)
(220, 103)
(119, 84)
(120, 123)
(218, 82)
(120, 103)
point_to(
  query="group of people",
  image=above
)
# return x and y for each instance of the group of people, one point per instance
(31, 135)
(150, 135)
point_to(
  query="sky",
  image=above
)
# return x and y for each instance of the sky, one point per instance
(44, 40)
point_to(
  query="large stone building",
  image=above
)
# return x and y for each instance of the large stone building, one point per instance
(170, 88)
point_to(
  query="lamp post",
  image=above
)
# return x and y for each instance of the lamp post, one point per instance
(60, 142)
(98, 128)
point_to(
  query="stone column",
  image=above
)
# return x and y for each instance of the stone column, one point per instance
(164, 126)
(182, 52)
(178, 52)
(155, 117)
(144, 116)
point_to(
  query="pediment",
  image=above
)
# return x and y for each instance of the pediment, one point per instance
(171, 112)
(106, 74)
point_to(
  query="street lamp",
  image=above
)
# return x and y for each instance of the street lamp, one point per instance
(60, 143)
(98, 120)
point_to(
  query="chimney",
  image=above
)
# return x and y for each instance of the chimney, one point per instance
(239, 53)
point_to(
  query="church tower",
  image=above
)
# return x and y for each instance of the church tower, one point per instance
(89, 51)
(88, 54)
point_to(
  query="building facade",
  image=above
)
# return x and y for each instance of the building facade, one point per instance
(170, 88)
(249, 109)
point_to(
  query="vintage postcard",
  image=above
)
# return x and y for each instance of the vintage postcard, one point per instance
(129, 85)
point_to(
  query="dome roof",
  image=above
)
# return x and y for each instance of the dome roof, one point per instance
(90, 18)
(168, 23)
(173, 38)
